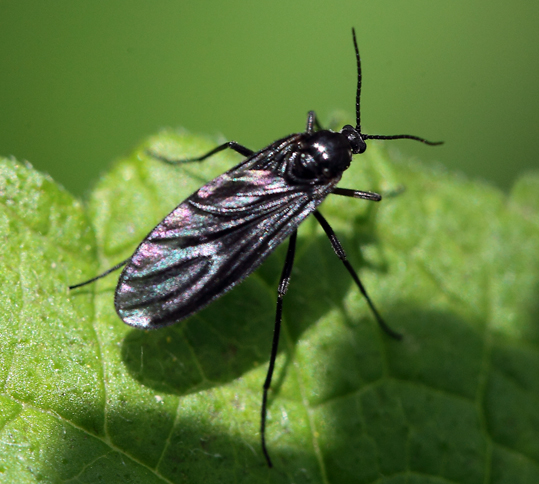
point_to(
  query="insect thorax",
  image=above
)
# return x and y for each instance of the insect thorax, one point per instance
(322, 157)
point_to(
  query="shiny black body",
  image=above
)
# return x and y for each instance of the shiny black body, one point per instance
(226, 229)
(221, 233)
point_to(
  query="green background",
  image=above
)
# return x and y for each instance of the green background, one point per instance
(83, 82)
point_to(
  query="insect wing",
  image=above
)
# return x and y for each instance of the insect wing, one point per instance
(209, 243)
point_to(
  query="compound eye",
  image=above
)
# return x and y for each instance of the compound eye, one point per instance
(358, 146)
(353, 136)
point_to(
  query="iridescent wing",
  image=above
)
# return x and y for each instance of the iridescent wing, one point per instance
(209, 243)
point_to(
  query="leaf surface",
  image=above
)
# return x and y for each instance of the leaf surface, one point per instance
(451, 264)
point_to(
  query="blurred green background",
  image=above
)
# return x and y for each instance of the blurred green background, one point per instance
(81, 83)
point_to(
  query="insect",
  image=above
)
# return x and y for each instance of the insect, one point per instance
(220, 234)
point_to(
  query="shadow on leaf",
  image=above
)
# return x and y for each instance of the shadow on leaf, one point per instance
(233, 335)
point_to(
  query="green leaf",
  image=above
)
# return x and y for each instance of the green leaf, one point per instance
(451, 263)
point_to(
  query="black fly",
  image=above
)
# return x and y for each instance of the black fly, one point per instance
(220, 234)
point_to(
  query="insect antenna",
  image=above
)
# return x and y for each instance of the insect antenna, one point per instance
(358, 90)
(358, 115)
(402, 136)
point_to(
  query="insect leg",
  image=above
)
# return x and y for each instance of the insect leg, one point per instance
(242, 150)
(347, 192)
(281, 291)
(338, 248)
(106, 273)
(312, 121)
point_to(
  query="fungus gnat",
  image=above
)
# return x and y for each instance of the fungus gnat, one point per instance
(220, 234)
